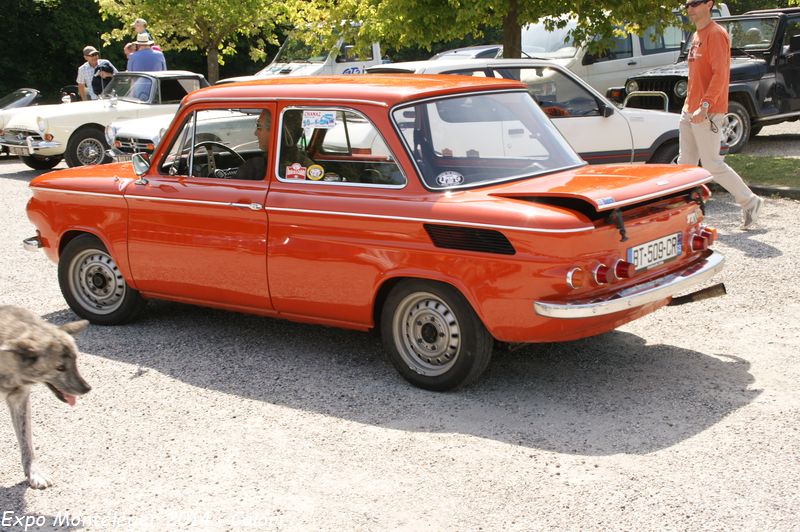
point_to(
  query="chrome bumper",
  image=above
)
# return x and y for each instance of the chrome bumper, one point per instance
(27, 146)
(32, 244)
(636, 296)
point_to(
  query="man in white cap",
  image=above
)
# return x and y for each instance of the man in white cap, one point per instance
(86, 72)
(146, 59)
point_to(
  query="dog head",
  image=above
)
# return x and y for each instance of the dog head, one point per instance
(47, 354)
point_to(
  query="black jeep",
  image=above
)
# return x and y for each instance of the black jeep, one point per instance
(764, 82)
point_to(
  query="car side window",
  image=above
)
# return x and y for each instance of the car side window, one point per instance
(619, 48)
(557, 94)
(334, 146)
(792, 30)
(172, 90)
(229, 143)
(656, 43)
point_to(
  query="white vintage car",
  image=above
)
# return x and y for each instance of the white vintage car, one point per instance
(44, 134)
(595, 127)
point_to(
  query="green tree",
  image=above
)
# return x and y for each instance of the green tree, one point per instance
(212, 26)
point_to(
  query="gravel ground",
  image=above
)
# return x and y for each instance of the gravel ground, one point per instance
(199, 419)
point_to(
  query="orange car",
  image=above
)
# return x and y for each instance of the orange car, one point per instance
(445, 210)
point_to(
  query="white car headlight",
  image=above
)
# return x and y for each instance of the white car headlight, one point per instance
(111, 132)
(41, 124)
(681, 88)
(631, 86)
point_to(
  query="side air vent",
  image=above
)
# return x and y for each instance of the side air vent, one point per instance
(469, 239)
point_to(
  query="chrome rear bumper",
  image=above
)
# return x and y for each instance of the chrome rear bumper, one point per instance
(636, 296)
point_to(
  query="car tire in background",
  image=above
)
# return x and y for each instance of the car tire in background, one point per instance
(433, 337)
(40, 162)
(92, 284)
(85, 147)
(736, 127)
(666, 154)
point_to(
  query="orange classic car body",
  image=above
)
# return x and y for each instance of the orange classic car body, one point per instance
(551, 256)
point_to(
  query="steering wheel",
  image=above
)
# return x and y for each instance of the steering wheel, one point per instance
(209, 145)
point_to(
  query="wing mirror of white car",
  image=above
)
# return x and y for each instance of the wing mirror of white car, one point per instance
(608, 110)
(141, 164)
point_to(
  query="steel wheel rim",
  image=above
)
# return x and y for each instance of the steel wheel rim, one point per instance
(95, 281)
(89, 151)
(427, 334)
(732, 129)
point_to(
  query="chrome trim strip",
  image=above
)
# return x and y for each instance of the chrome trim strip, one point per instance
(638, 295)
(637, 199)
(32, 244)
(430, 220)
(79, 192)
(189, 201)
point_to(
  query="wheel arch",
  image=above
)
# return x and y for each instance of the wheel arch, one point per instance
(85, 127)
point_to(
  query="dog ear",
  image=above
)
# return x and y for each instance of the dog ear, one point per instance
(74, 327)
(24, 347)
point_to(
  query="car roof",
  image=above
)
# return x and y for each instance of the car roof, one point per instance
(446, 65)
(776, 10)
(166, 73)
(381, 89)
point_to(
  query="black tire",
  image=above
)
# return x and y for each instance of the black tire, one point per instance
(86, 146)
(736, 127)
(755, 130)
(665, 154)
(93, 286)
(40, 162)
(433, 337)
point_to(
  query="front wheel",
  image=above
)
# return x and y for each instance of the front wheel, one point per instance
(40, 162)
(665, 154)
(92, 284)
(433, 336)
(86, 147)
(736, 127)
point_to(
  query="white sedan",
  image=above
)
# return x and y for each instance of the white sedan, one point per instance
(596, 128)
(43, 135)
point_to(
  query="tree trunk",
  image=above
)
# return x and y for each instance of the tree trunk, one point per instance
(512, 32)
(212, 62)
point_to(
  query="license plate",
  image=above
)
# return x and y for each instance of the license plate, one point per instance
(656, 251)
(17, 151)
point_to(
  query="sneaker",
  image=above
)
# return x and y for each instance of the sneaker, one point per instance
(750, 214)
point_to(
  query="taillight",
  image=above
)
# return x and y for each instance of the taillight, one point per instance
(575, 278)
(600, 274)
(698, 243)
(623, 269)
(709, 233)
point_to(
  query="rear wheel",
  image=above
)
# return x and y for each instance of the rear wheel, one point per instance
(86, 147)
(433, 337)
(40, 162)
(666, 154)
(92, 284)
(736, 127)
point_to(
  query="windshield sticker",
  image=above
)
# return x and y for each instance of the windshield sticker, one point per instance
(295, 171)
(332, 177)
(315, 172)
(449, 179)
(319, 119)
(605, 201)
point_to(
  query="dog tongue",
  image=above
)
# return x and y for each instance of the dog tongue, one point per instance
(70, 399)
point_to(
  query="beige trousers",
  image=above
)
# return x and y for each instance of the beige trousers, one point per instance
(700, 143)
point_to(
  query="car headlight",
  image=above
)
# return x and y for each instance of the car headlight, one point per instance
(41, 124)
(111, 132)
(631, 86)
(681, 88)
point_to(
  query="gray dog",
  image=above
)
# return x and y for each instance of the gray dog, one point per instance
(34, 351)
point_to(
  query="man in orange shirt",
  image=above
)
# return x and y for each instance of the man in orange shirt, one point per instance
(706, 104)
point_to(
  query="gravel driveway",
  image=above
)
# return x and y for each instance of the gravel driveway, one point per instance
(208, 420)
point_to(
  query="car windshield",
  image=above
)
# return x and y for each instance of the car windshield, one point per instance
(537, 41)
(20, 96)
(479, 139)
(294, 50)
(751, 34)
(128, 87)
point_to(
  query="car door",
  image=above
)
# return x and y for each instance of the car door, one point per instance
(197, 227)
(789, 67)
(577, 113)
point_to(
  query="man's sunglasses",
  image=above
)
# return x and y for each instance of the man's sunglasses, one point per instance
(696, 3)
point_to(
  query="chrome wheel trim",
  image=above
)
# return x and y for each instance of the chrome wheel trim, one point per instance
(427, 334)
(96, 282)
(90, 151)
(732, 129)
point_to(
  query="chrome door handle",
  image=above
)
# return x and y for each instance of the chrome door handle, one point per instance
(251, 206)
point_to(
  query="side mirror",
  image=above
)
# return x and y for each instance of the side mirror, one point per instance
(607, 110)
(141, 163)
(794, 43)
(589, 59)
